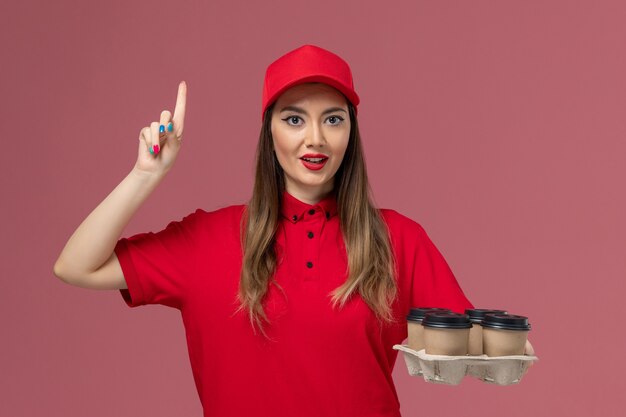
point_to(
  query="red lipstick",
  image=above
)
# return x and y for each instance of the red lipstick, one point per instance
(314, 161)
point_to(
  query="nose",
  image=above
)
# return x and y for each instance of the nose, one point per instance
(314, 136)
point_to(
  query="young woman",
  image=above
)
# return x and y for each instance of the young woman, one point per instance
(292, 302)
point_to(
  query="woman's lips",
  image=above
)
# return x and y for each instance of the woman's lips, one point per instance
(314, 166)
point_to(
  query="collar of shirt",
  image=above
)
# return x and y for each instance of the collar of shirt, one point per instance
(294, 210)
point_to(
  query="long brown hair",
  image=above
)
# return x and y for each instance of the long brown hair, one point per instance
(371, 265)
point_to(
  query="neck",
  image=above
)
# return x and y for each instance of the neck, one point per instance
(310, 196)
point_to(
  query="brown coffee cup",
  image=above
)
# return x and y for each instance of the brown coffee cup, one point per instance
(415, 330)
(504, 334)
(476, 315)
(446, 333)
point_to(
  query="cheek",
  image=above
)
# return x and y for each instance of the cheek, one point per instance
(285, 143)
(281, 151)
(278, 147)
(344, 145)
(342, 156)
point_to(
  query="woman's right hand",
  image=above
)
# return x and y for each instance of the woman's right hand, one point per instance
(165, 145)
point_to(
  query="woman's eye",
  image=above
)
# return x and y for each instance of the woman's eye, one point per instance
(337, 120)
(292, 118)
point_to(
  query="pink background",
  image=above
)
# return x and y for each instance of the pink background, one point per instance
(497, 125)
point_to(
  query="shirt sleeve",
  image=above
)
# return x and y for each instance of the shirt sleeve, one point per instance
(158, 267)
(433, 282)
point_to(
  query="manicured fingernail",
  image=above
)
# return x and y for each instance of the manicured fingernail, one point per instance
(170, 127)
(161, 129)
(151, 151)
(156, 149)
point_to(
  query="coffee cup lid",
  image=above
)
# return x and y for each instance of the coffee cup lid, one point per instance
(476, 315)
(447, 320)
(505, 321)
(417, 314)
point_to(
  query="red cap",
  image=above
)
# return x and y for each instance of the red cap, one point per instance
(308, 63)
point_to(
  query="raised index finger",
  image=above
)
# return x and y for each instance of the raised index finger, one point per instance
(179, 110)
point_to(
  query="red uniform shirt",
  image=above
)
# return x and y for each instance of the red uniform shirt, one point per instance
(322, 361)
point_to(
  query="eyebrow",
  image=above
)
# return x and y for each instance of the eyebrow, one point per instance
(301, 110)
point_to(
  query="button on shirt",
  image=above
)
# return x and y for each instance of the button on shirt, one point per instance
(320, 361)
(313, 251)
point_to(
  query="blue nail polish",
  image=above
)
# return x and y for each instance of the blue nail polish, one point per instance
(170, 127)
(161, 129)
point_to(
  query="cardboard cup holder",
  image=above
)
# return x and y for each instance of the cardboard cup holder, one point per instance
(441, 369)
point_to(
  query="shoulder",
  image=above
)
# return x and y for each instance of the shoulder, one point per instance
(405, 233)
(219, 217)
(398, 223)
(234, 211)
(205, 225)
